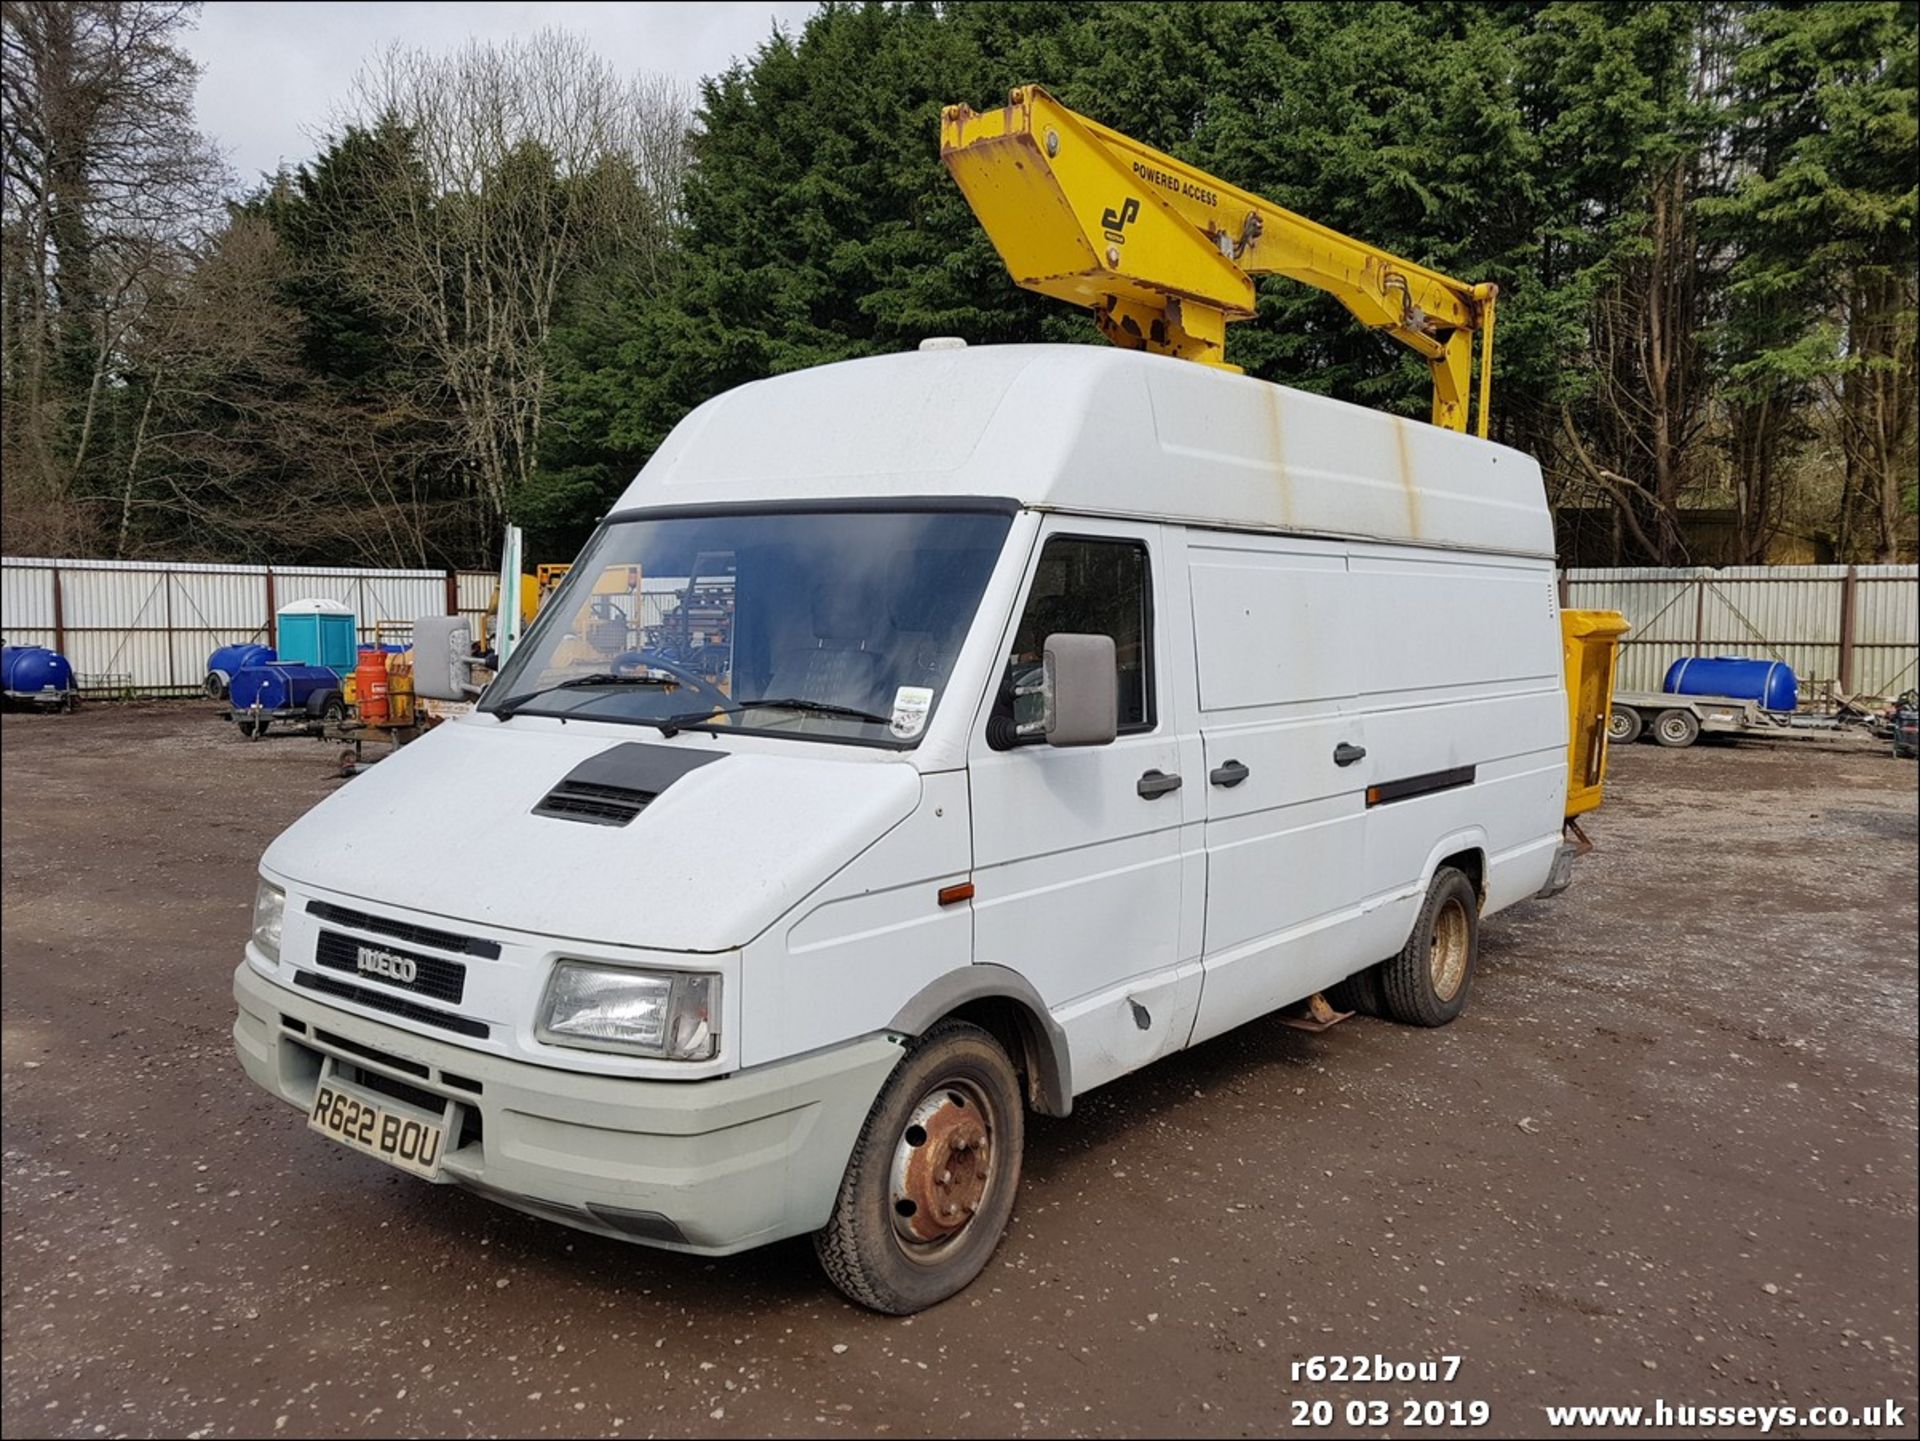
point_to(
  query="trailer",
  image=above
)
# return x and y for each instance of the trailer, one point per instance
(1680, 720)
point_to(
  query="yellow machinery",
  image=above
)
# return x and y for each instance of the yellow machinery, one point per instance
(1589, 644)
(534, 592)
(1165, 254)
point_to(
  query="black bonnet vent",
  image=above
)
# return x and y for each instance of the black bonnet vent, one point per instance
(613, 787)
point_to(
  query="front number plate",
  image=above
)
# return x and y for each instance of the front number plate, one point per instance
(401, 1140)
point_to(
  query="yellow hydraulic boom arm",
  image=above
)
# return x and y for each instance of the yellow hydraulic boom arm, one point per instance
(1164, 254)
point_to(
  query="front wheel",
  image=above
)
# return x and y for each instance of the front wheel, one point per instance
(931, 1181)
(1624, 725)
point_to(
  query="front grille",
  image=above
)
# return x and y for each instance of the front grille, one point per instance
(392, 1005)
(397, 1090)
(405, 931)
(433, 977)
(371, 1053)
(595, 804)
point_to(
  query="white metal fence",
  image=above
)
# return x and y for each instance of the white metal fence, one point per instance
(132, 626)
(147, 628)
(1857, 627)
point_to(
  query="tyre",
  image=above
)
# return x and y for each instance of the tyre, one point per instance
(1624, 725)
(1676, 728)
(931, 1181)
(253, 730)
(334, 711)
(1359, 993)
(1428, 983)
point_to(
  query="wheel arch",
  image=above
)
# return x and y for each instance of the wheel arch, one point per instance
(1005, 1005)
(1465, 851)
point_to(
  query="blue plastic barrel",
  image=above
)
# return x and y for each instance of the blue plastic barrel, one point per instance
(279, 686)
(33, 672)
(1770, 684)
(228, 661)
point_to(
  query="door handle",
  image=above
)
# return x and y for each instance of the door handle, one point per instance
(1228, 775)
(1346, 755)
(1157, 783)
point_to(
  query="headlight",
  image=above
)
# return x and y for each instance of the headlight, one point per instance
(674, 1015)
(269, 909)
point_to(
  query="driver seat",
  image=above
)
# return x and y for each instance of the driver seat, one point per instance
(838, 668)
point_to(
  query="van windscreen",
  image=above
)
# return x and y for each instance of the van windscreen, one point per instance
(833, 625)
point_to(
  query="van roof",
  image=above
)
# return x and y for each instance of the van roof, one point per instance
(1099, 431)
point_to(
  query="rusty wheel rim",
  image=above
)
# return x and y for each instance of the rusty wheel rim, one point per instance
(945, 1166)
(1447, 961)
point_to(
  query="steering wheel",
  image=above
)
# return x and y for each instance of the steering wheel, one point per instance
(633, 660)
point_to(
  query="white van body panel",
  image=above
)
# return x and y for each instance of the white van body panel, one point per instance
(1099, 432)
(1284, 847)
(714, 861)
(850, 955)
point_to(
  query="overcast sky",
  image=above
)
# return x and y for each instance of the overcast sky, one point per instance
(274, 73)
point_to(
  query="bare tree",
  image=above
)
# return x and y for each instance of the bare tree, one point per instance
(526, 166)
(105, 189)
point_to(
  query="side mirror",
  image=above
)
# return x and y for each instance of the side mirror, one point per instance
(1079, 690)
(442, 655)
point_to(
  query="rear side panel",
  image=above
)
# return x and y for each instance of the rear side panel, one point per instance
(1463, 699)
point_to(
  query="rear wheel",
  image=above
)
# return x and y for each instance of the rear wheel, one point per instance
(931, 1181)
(1676, 728)
(1624, 725)
(1428, 983)
(1359, 993)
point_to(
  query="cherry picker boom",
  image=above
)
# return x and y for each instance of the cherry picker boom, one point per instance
(1165, 255)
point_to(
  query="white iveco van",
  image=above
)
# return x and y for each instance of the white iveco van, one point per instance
(921, 741)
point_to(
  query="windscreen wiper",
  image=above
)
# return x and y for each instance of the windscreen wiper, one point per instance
(812, 707)
(601, 677)
(672, 724)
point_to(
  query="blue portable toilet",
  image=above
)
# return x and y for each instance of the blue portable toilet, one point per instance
(317, 632)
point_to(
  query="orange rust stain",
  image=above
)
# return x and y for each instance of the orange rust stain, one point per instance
(1408, 488)
(1277, 446)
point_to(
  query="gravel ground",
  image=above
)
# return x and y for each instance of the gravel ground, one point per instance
(1668, 1154)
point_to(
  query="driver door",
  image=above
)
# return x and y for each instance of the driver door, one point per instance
(1077, 852)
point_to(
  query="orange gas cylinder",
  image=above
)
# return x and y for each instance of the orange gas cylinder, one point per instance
(370, 679)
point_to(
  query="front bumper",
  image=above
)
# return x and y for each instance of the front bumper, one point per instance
(711, 1166)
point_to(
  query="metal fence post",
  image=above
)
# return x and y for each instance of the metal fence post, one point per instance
(453, 593)
(1699, 615)
(166, 579)
(273, 612)
(1849, 588)
(59, 615)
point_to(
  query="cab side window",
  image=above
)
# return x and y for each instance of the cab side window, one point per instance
(1089, 587)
